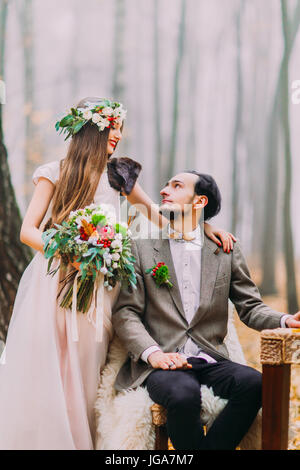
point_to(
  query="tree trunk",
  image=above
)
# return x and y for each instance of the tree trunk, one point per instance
(157, 106)
(118, 57)
(118, 67)
(32, 144)
(287, 224)
(3, 17)
(269, 241)
(14, 255)
(270, 245)
(177, 75)
(237, 133)
(193, 69)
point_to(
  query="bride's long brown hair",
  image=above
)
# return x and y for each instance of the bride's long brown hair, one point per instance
(80, 170)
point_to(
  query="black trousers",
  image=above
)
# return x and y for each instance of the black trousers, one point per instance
(179, 392)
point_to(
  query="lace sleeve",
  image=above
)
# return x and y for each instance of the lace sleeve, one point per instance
(122, 173)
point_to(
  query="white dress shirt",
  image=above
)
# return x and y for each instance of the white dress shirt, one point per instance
(186, 257)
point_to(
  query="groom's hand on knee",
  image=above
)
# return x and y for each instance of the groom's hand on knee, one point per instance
(168, 361)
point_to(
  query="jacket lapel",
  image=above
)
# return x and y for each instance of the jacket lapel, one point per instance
(209, 269)
(163, 253)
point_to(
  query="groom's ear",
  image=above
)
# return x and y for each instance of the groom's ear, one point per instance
(200, 201)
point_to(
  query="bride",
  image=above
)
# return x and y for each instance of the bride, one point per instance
(48, 381)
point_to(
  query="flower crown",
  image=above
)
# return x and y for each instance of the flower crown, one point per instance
(102, 113)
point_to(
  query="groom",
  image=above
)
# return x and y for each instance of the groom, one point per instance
(175, 335)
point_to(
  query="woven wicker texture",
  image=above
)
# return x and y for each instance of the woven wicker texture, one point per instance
(280, 346)
(159, 415)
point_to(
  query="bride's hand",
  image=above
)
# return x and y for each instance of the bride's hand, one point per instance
(215, 234)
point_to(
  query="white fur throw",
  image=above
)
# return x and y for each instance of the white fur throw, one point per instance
(124, 419)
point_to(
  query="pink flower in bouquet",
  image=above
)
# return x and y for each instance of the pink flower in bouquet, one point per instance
(106, 231)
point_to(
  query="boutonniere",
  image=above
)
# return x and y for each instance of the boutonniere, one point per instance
(160, 274)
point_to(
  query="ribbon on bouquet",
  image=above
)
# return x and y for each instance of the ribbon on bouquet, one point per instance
(96, 307)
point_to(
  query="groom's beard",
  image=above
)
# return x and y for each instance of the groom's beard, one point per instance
(177, 215)
(174, 213)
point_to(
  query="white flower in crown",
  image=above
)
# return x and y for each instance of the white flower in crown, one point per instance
(103, 123)
(117, 111)
(96, 118)
(107, 111)
(87, 115)
(115, 256)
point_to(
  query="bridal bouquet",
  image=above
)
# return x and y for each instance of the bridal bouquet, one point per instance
(92, 238)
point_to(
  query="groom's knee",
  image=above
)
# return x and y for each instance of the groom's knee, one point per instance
(185, 398)
(175, 390)
(249, 382)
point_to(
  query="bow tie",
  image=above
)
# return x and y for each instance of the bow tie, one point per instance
(182, 236)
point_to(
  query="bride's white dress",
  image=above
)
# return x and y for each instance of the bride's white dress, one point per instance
(48, 382)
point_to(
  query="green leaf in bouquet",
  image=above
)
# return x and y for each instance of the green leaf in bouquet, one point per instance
(49, 264)
(121, 229)
(130, 268)
(90, 252)
(83, 271)
(47, 236)
(52, 249)
(98, 219)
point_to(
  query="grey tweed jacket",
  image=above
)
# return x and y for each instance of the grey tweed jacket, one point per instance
(152, 315)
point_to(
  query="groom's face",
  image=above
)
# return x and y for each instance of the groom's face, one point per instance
(178, 195)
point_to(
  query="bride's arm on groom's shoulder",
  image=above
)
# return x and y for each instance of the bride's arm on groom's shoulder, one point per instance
(30, 233)
(128, 312)
(217, 234)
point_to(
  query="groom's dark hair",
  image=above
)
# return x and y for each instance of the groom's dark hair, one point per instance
(207, 186)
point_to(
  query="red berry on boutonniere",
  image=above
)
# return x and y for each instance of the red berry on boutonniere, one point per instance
(160, 274)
